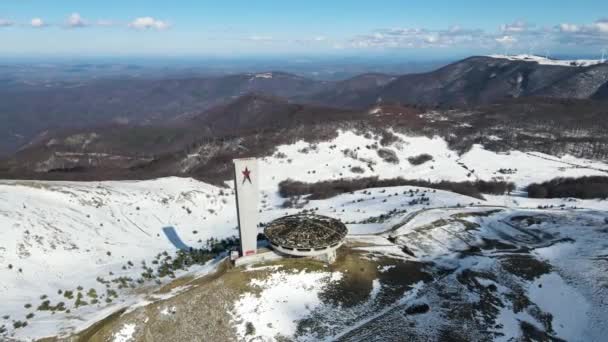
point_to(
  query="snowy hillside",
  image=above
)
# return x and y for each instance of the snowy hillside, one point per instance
(549, 61)
(488, 269)
(70, 236)
(60, 236)
(338, 158)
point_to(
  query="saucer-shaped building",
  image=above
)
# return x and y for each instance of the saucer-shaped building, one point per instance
(306, 235)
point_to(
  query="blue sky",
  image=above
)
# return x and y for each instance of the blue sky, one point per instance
(332, 27)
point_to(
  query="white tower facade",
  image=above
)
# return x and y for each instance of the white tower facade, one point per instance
(246, 177)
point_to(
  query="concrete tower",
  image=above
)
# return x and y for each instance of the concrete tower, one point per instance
(247, 196)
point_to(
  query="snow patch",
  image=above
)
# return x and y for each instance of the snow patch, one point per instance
(549, 61)
(168, 310)
(125, 334)
(386, 268)
(568, 307)
(266, 75)
(510, 322)
(284, 299)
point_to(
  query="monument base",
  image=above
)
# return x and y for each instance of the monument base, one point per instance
(262, 255)
(328, 257)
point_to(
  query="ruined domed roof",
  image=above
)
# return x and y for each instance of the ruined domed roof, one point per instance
(305, 231)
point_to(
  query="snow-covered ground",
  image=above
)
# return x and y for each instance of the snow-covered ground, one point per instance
(572, 287)
(334, 159)
(64, 235)
(549, 61)
(502, 276)
(274, 311)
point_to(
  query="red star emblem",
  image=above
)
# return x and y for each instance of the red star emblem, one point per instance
(246, 175)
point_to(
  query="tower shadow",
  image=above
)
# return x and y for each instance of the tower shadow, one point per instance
(172, 236)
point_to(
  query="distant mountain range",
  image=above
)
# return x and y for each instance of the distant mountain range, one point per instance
(139, 128)
(26, 112)
(259, 111)
(485, 80)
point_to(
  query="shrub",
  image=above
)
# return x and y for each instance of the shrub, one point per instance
(92, 293)
(417, 309)
(328, 189)
(537, 191)
(356, 169)
(79, 301)
(60, 306)
(249, 329)
(420, 159)
(388, 155)
(45, 306)
(583, 187)
(387, 138)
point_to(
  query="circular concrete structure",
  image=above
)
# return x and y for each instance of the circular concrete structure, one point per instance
(306, 234)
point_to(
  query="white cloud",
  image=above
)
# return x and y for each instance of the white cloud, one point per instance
(268, 39)
(601, 25)
(145, 23)
(515, 27)
(506, 40)
(308, 41)
(37, 22)
(75, 20)
(565, 27)
(419, 38)
(431, 39)
(594, 34)
(518, 34)
(261, 38)
(5, 23)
